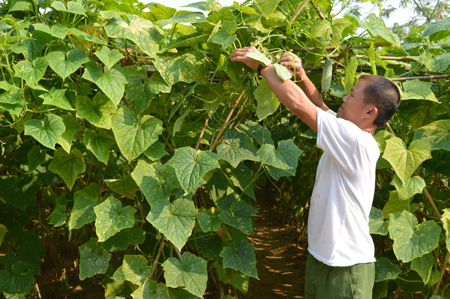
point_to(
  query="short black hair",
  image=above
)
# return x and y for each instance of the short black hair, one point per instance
(382, 93)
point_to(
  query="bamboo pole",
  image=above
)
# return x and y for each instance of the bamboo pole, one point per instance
(317, 10)
(421, 78)
(365, 46)
(201, 133)
(440, 13)
(337, 57)
(299, 11)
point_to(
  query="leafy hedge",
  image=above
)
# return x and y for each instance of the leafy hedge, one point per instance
(133, 137)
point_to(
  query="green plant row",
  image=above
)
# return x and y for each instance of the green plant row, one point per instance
(131, 139)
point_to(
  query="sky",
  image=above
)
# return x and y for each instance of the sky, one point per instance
(401, 16)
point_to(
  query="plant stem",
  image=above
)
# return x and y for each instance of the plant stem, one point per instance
(155, 263)
(201, 133)
(299, 11)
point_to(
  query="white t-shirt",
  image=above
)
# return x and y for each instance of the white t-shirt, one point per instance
(338, 223)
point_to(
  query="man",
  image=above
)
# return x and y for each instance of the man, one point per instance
(341, 259)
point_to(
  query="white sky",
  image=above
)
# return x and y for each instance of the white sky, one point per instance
(401, 16)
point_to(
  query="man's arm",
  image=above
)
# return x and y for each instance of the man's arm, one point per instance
(287, 92)
(294, 65)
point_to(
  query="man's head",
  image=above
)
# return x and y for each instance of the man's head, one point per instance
(372, 102)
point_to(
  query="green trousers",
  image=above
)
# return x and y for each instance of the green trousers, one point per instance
(326, 282)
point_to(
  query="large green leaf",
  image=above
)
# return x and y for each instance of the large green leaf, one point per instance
(376, 27)
(377, 225)
(189, 17)
(235, 278)
(31, 71)
(47, 131)
(21, 5)
(423, 266)
(108, 57)
(156, 181)
(18, 284)
(236, 148)
(411, 240)
(111, 82)
(57, 30)
(3, 231)
(267, 7)
(68, 166)
(72, 7)
(418, 90)
(437, 134)
(209, 222)
(83, 208)
(93, 259)
(331, 31)
(350, 74)
(134, 268)
(134, 135)
(437, 30)
(189, 272)
(267, 101)
(156, 151)
(413, 185)
(12, 101)
(36, 156)
(175, 220)
(239, 216)
(446, 224)
(190, 167)
(396, 205)
(141, 31)
(151, 289)
(99, 144)
(111, 218)
(285, 157)
(66, 64)
(19, 191)
(186, 41)
(124, 238)
(240, 256)
(97, 111)
(58, 216)
(72, 127)
(138, 88)
(385, 270)
(406, 160)
(256, 131)
(439, 63)
(56, 97)
(187, 67)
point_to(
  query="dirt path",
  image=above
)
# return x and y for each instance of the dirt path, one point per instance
(280, 264)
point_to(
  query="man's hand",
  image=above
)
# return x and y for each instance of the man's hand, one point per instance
(293, 64)
(241, 56)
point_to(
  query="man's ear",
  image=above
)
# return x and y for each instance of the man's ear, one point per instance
(372, 112)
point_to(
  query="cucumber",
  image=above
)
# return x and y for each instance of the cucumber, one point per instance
(327, 74)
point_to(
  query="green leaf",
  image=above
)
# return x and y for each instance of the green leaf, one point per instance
(411, 240)
(31, 72)
(124, 238)
(437, 134)
(124, 186)
(58, 216)
(418, 90)
(377, 225)
(446, 224)
(57, 30)
(186, 67)
(93, 259)
(48, 131)
(56, 97)
(141, 31)
(97, 111)
(98, 143)
(267, 101)
(161, 12)
(111, 82)
(330, 31)
(396, 205)
(437, 30)
(175, 220)
(12, 101)
(241, 177)
(258, 56)
(189, 272)
(151, 289)
(72, 7)
(157, 84)
(83, 208)
(134, 268)
(134, 135)
(256, 131)
(138, 88)
(108, 57)
(209, 222)
(240, 216)
(282, 72)
(376, 28)
(36, 156)
(68, 166)
(285, 157)
(84, 37)
(64, 65)
(406, 160)
(423, 266)
(16, 285)
(233, 277)
(194, 17)
(350, 72)
(439, 63)
(21, 5)
(156, 151)
(241, 257)
(385, 270)
(190, 168)
(19, 191)
(189, 40)
(111, 218)
(156, 181)
(236, 148)
(267, 7)
(413, 185)
(72, 127)
(3, 231)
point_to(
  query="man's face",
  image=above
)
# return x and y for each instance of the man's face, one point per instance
(353, 108)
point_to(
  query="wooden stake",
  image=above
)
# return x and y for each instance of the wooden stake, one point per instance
(421, 78)
(299, 11)
(365, 46)
(155, 263)
(440, 13)
(201, 133)
(227, 120)
(317, 10)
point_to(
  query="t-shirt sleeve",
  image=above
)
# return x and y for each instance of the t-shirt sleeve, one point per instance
(336, 137)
